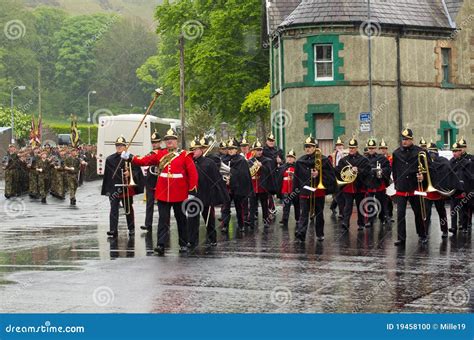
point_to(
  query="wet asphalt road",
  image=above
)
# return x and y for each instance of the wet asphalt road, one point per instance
(54, 258)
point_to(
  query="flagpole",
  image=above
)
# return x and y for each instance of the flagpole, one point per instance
(40, 123)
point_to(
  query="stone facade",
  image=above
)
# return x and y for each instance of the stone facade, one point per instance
(433, 108)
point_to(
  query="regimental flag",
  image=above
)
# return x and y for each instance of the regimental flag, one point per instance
(33, 131)
(74, 132)
(39, 130)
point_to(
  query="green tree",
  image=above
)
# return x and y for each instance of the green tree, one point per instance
(17, 55)
(76, 59)
(223, 57)
(118, 54)
(255, 111)
(21, 119)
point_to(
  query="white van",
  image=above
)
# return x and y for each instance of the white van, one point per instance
(112, 127)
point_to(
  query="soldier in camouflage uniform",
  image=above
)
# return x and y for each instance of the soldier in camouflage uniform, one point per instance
(43, 168)
(59, 176)
(11, 172)
(72, 166)
(33, 174)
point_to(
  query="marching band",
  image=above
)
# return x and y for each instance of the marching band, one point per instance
(248, 175)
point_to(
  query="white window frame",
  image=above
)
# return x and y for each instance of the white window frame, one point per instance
(323, 62)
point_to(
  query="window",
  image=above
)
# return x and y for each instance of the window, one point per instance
(447, 139)
(446, 61)
(323, 62)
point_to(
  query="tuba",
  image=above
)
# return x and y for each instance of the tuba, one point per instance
(347, 175)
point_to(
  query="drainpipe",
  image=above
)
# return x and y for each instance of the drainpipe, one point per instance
(282, 116)
(399, 84)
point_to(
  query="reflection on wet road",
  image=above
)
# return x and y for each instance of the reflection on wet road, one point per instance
(54, 258)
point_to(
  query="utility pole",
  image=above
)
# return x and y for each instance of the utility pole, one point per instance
(39, 105)
(181, 91)
(369, 22)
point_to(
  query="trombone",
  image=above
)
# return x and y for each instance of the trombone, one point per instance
(127, 182)
(423, 168)
(318, 165)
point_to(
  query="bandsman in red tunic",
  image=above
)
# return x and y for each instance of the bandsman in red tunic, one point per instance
(285, 184)
(175, 188)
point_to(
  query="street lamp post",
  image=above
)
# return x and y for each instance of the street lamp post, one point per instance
(21, 88)
(89, 114)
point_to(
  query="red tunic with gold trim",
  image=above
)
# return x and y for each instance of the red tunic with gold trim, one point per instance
(178, 177)
(257, 184)
(287, 184)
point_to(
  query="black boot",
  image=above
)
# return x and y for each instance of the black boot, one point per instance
(160, 250)
(43, 200)
(112, 234)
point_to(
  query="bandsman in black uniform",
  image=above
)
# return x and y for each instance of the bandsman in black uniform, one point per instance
(440, 172)
(357, 165)
(338, 197)
(470, 206)
(379, 180)
(286, 174)
(150, 184)
(306, 181)
(423, 144)
(407, 177)
(239, 183)
(211, 191)
(116, 175)
(461, 202)
(272, 151)
(263, 184)
(383, 149)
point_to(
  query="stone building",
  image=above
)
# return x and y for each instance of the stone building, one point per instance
(422, 70)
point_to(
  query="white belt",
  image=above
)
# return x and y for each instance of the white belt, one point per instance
(287, 178)
(167, 175)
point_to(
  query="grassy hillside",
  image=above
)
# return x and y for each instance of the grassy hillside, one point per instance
(143, 9)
